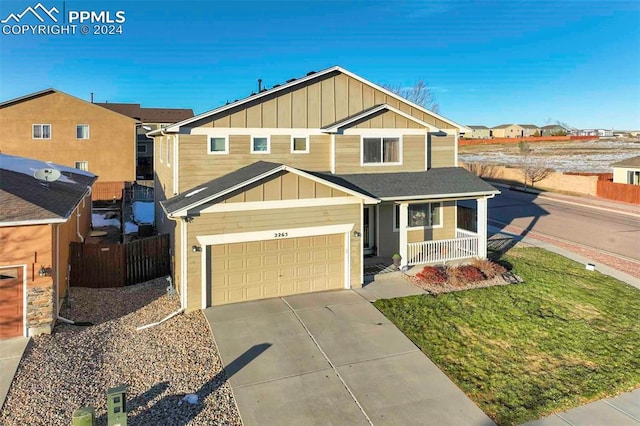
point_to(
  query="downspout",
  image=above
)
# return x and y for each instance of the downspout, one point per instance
(80, 237)
(183, 294)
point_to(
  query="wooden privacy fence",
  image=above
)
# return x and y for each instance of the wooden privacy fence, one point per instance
(618, 191)
(119, 265)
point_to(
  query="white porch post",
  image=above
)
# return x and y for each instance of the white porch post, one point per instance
(482, 227)
(404, 214)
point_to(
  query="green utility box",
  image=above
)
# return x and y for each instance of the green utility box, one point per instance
(84, 416)
(117, 406)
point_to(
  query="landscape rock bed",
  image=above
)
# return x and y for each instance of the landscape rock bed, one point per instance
(76, 366)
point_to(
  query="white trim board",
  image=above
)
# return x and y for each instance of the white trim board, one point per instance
(243, 237)
(343, 123)
(280, 204)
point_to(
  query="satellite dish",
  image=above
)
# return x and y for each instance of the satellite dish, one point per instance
(47, 175)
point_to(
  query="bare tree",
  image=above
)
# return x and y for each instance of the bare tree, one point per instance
(419, 93)
(533, 169)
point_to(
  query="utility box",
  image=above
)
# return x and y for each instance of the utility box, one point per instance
(84, 416)
(117, 406)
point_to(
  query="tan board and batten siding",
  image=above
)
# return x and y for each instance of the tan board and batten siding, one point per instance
(198, 167)
(313, 104)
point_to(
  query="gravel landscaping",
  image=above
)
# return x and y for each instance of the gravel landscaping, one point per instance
(76, 366)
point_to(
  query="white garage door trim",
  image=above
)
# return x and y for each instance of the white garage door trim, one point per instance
(24, 294)
(275, 234)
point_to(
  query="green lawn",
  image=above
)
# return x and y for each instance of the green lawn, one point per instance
(566, 337)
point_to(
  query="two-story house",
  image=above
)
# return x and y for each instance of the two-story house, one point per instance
(148, 119)
(287, 190)
(530, 130)
(507, 131)
(478, 132)
(53, 126)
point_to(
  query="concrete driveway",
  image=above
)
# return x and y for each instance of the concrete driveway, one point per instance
(331, 358)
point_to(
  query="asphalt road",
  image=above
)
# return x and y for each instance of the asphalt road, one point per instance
(609, 231)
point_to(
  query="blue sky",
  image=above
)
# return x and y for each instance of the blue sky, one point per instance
(488, 62)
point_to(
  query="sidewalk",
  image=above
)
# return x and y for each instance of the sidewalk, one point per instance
(11, 351)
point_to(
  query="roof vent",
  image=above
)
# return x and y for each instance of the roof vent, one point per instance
(276, 85)
(311, 72)
(290, 80)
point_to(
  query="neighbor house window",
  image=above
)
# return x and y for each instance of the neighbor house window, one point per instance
(299, 144)
(423, 215)
(142, 149)
(381, 150)
(82, 131)
(42, 131)
(218, 145)
(260, 145)
(633, 177)
(82, 165)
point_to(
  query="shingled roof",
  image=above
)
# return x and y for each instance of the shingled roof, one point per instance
(436, 182)
(149, 115)
(629, 162)
(26, 199)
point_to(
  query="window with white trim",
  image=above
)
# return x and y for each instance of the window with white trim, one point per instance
(260, 145)
(299, 144)
(82, 131)
(218, 145)
(420, 215)
(633, 177)
(383, 150)
(82, 165)
(41, 131)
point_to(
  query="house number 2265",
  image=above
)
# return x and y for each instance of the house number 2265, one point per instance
(280, 234)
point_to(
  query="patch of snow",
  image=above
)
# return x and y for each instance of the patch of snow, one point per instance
(28, 166)
(130, 228)
(98, 221)
(143, 212)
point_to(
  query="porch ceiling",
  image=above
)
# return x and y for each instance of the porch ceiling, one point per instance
(434, 183)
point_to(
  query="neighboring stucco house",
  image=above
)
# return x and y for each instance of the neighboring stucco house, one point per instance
(529, 130)
(286, 191)
(554, 130)
(627, 171)
(38, 220)
(478, 132)
(508, 131)
(148, 119)
(53, 126)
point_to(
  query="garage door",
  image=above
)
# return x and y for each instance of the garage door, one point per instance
(10, 302)
(260, 269)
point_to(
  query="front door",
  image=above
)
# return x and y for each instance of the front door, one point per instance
(368, 229)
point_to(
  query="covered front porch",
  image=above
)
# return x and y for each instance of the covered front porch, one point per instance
(428, 231)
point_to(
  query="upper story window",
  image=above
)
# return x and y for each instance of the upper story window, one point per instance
(384, 150)
(299, 144)
(42, 131)
(218, 145)
(82, 131)
(260, 145)
(82, 165)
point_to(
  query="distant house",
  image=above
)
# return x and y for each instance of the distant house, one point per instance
(149, 119)
(51, 125)
(39, 217)
(627, 171)
(554, 130)
(508, 131)
(529, 130)
(602, 133)
(478, 132)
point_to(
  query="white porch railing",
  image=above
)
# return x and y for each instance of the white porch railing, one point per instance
(439, 251)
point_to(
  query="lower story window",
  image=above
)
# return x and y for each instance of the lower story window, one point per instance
(423, 215)
(82, 165)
